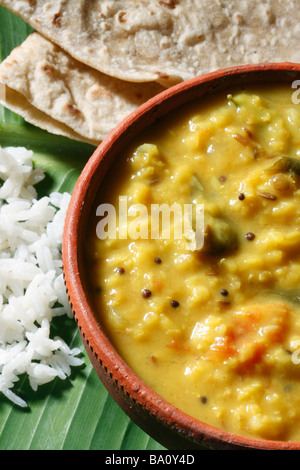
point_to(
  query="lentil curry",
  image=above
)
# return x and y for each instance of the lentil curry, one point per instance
(215, 331)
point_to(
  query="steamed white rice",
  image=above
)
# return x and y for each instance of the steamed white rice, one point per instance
(32, 290)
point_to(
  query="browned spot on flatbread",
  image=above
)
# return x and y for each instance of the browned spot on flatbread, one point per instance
(71, 109)
(270, 16)
(162, 75)
(9, 63)
(56, 19)
(122, 16)
(168, 3)
(96, 91)
(46, 68)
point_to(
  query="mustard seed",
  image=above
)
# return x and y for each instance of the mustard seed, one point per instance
(146, 293)
(250, 236)
(120, 270)
(224, 292)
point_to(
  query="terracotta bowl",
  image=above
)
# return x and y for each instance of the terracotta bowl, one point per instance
(169, 426)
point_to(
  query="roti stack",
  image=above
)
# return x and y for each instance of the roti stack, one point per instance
(51, 89)
(90, 63)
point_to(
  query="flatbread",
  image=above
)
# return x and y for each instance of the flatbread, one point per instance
(167, 40)
(71, 95)
(18, 104)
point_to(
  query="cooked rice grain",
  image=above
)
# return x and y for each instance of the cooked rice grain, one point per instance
(32, 290)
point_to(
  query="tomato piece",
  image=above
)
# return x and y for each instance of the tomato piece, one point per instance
(251, 332)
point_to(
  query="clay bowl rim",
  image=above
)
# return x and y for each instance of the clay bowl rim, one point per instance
(102, 354)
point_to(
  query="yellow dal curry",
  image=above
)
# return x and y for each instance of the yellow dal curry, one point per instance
(215, 331)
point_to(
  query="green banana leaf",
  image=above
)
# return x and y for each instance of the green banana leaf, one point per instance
(76, 413)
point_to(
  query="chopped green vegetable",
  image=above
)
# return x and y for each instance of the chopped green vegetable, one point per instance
(219, 235)
(285, 164)
(293, 296)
